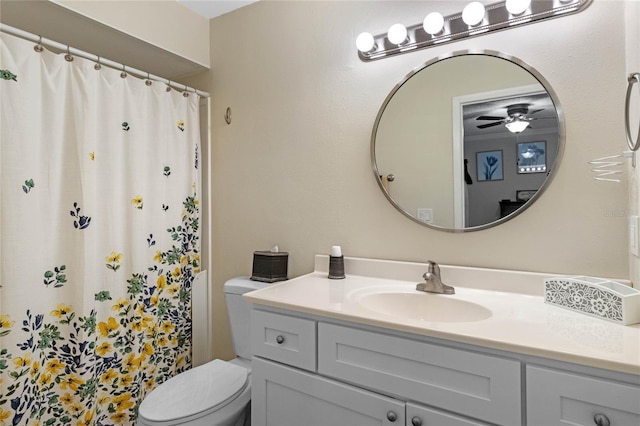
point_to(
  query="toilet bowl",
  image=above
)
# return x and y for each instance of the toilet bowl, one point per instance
(217, 393)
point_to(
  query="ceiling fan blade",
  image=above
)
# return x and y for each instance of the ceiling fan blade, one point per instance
(489, 117)
(484, 126)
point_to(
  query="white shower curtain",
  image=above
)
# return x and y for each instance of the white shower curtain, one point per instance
(99, 223)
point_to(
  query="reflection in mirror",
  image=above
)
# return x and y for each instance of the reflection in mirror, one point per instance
(467, 141)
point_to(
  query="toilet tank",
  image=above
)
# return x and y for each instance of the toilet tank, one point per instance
(240, 313)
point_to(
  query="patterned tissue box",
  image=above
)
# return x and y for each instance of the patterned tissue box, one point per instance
(597, 297)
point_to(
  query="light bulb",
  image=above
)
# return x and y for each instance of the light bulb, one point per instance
(517, 126)
(365, 42)
(397, 34)
(517, 7)
(473, 13)
(433, 23)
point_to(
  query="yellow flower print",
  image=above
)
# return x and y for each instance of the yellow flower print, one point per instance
(103, 399)
(158, 257)
(4, 415)
(131, 363)
(61, 311)
(137, 200)
(180, 361)
(71, 381)
(123, 402)
(147, 350)
(181, 125)
(109, 376)
(173, 289)
(54, 366)
(176, 273)
(35, 369)
(126, 380)
(92, 155)
(76, 410)
(154, 300)
(5, 324)
(119, 418)
(44, 379)
(162, 341)
(104, 348)
(150, 384)
(167, 327)
(22, 362)
(137, 325)
(120, 305)
(113, 261)
(66, 399)
(106, 328)
(162, 282)
(87, 420)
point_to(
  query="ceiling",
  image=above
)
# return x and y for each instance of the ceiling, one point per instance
(212, 8)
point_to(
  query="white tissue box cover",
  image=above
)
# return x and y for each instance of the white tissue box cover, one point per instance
(597, 297)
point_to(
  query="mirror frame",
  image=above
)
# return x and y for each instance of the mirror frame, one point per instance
(550, 172)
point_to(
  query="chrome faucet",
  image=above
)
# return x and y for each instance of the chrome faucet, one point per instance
(433, 283)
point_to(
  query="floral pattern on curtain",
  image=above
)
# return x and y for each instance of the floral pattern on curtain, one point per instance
(99, 218)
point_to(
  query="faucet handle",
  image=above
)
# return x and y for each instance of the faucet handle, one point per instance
(432, 267)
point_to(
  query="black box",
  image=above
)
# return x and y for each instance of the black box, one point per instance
(270, 267)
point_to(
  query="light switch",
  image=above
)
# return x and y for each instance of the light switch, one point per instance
(634, 235)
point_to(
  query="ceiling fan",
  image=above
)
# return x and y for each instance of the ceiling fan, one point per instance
(516, 121)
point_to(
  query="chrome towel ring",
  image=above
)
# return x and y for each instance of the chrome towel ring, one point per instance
(633, 79)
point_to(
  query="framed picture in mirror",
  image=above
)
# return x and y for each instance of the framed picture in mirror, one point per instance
(489, 165)
(532, 157)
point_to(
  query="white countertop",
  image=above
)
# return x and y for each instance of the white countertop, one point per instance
(520, 321)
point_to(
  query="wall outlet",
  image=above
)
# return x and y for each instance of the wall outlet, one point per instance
(634, 235)
(425, 215)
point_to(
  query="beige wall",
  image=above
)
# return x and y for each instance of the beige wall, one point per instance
(166, 24)
(293, 168)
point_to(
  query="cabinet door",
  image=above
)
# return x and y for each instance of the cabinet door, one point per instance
(283, 396)
(418, 415)
(474, 385)
(560, 398)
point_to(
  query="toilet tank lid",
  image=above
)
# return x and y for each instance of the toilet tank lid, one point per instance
(242, 285)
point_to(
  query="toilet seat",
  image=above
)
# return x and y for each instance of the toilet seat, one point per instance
(194, 393)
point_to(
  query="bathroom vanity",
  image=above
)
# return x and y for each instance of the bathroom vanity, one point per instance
(370, 350)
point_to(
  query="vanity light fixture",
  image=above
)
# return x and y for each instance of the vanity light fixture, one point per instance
(474, 20)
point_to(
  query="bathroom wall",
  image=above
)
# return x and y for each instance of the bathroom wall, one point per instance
(166, 24)
(293, 168)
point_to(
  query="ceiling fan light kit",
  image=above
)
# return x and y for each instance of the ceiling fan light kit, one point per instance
(475, 19)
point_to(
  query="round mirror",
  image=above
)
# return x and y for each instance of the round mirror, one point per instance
(467, 141)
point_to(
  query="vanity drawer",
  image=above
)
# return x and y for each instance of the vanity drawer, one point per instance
(560, 398)
(475, 385)
(284, 339)
(423, 416)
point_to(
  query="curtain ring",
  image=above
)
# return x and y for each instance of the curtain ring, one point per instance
(186, 91)
(97, 66)
(68, 57)
(38, 47)
(169, 86)
(148, 81)
(123, 74)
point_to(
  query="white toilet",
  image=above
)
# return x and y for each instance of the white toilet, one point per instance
(214, 394)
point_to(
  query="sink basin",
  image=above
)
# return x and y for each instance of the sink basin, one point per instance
(420, 306)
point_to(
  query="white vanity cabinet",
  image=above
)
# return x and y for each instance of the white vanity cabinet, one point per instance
(312, 371)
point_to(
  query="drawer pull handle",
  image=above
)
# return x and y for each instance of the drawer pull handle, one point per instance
(416, 421)
(601, 420)
(280, 339)
(391, 416)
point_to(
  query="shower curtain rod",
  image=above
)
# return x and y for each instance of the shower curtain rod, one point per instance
(102, 61)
